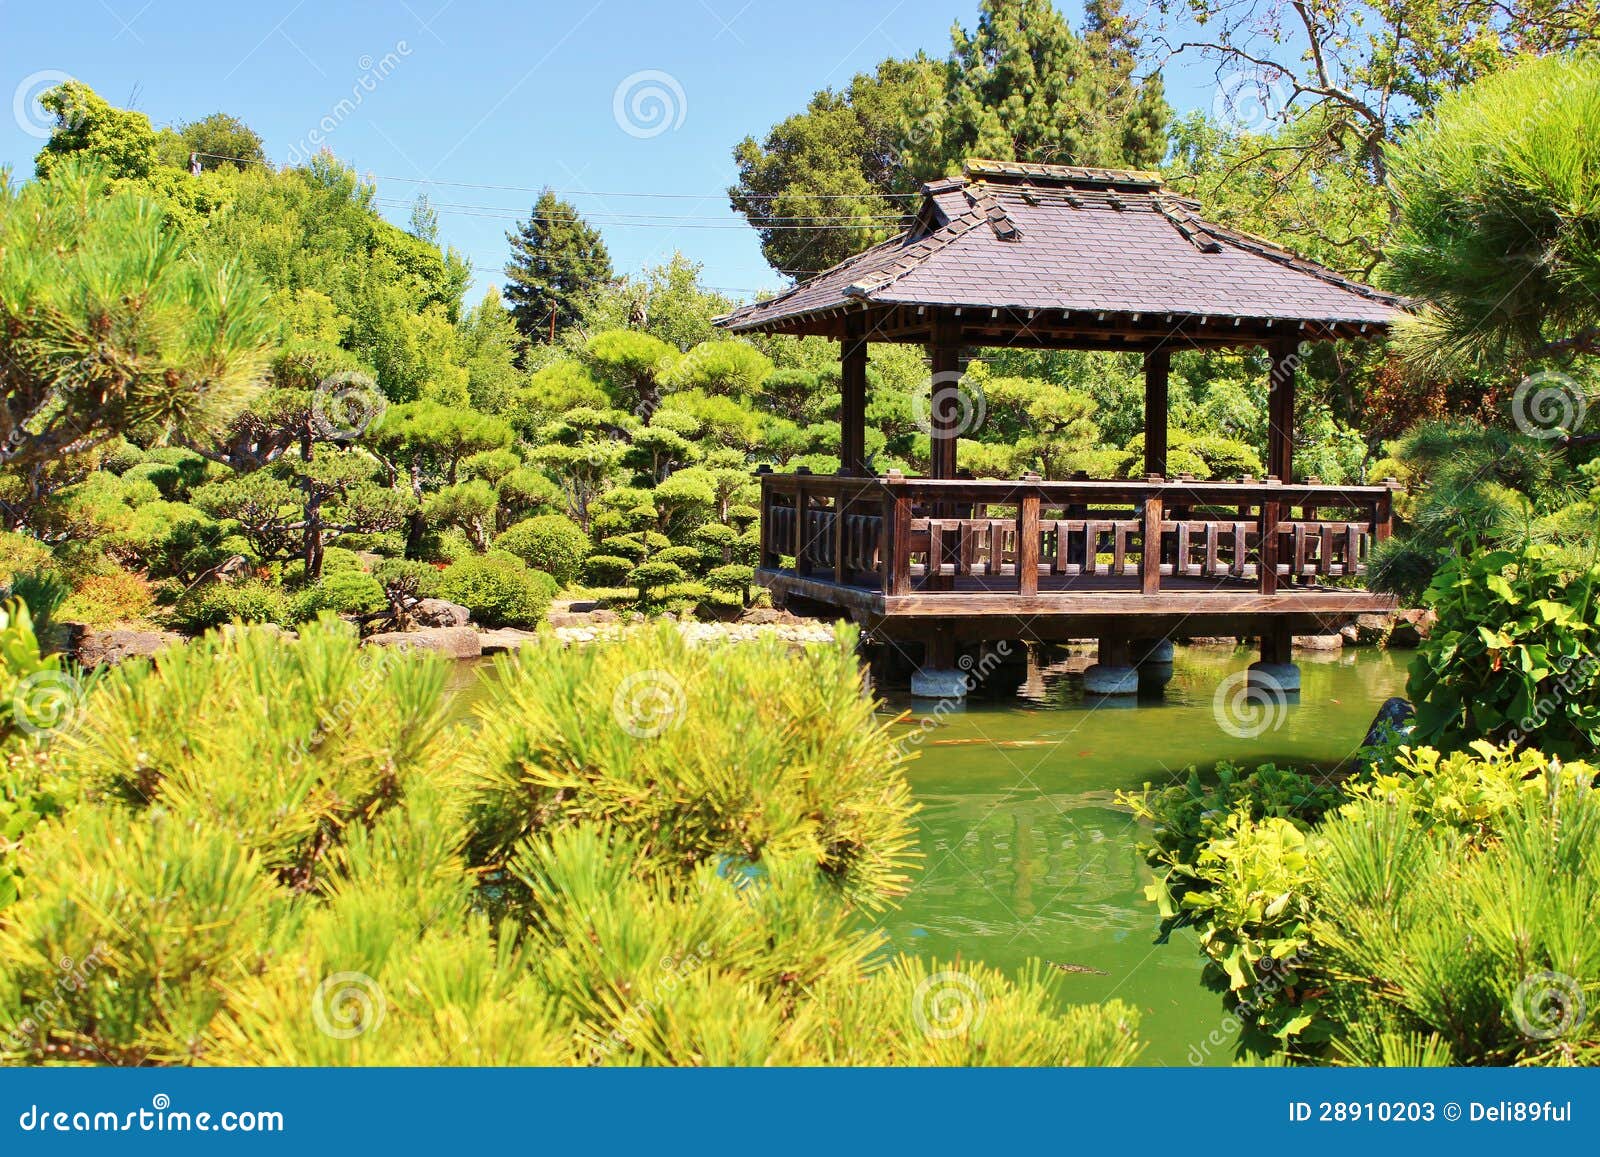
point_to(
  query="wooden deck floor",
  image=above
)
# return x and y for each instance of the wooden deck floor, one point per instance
(1083, 600)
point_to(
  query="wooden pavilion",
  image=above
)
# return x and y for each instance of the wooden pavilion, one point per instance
(1060, 257)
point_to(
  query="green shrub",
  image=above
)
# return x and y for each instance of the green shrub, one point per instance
(1514, 657)
(424, 575)
(1231, 860)
(20, 553)
(120, 456)
(688, 558)
(1337, 921)
(101, 600)
(345, 592)
(606, 570)
(499, 589)
(655, 576)
(552, 543)
(164, 476)
(1440, 949)
(169, 540)
(216, 603)
(731, 582)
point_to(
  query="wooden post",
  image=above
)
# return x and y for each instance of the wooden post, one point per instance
(1277, 644)
(1271, 512)
(1028, 543)
(1157, 367)
(768, 556)
(944, 354)
(1280, 412)
(896, 538)
(802, 507)
(839, 504)
(853, 397)
(1383, 512)
(1150, 561)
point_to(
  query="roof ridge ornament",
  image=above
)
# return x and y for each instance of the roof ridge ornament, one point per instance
(985, 202)
(1185, 224)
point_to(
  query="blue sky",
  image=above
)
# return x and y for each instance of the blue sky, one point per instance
(492, 94)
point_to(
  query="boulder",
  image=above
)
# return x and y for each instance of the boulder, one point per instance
(1412, 626)
(99, 646)
(1372, 630)
(1319, 642)
(505, 639)
(1229, 641)
(1393, 718)
(439, 613)
(451, 642)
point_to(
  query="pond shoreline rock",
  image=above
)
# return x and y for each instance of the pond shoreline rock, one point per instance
(104, 646)
(450, 642)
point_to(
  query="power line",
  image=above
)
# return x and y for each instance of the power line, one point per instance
(865, 195)
(604, 215)
(500, 213)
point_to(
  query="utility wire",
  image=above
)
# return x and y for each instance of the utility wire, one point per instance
(596, 192)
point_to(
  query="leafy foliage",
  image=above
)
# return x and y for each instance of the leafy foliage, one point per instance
(1514, 657)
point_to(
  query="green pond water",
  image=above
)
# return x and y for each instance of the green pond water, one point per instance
(1027, 855)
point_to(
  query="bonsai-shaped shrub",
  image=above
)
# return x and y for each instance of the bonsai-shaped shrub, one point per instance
(499, 589)
(552, 543)
(606, 570)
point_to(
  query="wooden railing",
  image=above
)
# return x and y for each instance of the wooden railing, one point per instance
(899, 534)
